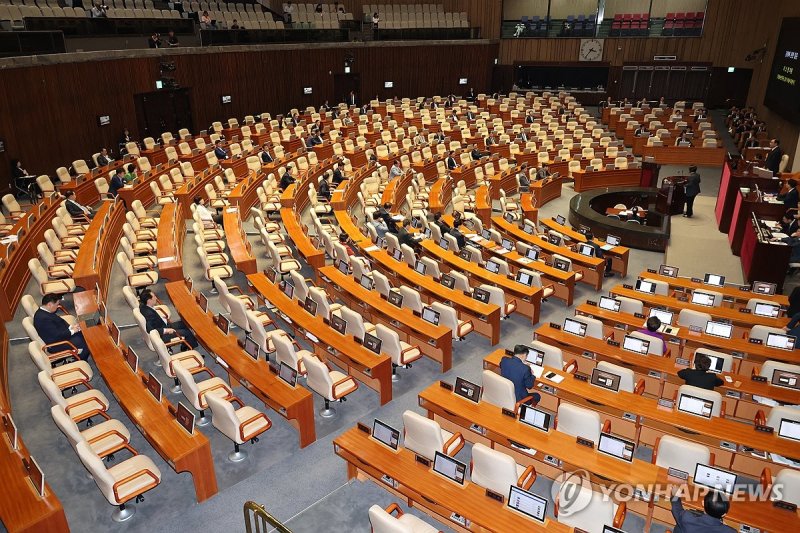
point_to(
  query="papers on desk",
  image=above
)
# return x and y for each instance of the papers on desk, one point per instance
(607, 247)
(372, 248)
(781, 460)
(165, 259)
(232, 210)
(525, 260)
(779, 235)
(397, 218)
(555, 379)
(474, 237)
(500, 250)
(9, 239)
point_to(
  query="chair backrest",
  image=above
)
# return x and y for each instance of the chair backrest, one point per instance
(727, 359)
(411, 298)
(284, 351)
(382, 284)
(683, 455)
(598, 510)
(162, 352)
(188, 385)
(104, 480)
(498, 390)
(762, 332)
(422, 436)
(703, 394)
(238, 311)
(140, 321)
(318, 378)
(579, 422)
(789, 481)
(224, 417)
(630, 305)
(655, 346)
(492, 469)
(778, 413)
(627, 377)
(690, 317)
(52, 391)
(67, 426)
(383, 522)
(594, 327)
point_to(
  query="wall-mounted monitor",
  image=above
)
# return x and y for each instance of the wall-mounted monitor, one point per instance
(307, 90)
(388, 84)
(226, 99)
(462, 81)
(103, 120)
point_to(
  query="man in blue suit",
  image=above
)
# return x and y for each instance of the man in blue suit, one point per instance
(219, 151)
(517, 371)
(53, 329)
(154, 321)
(715, 505)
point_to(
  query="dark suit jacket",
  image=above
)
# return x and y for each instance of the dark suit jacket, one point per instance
(774, 159)
(220, 153)
(103, 160)
(693, 184)
(519, 374)
(153, 321)
(338, 177)
(73, 208)
(698, 378)
(265, 157)
(792, 198)
(115, 185)
(51, 327)
(695, 521)
(451, 163)
(286, 180)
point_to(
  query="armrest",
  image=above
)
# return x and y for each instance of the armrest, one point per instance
(340, 382)
(755, 371)
(394, 508)
(86, 377)
(526, 399)
(61, 281)
(619, 516)
(457, 437)
(527, 478)
(722, 410)
(250, 421)
(766, 480)
(71, 352)
(206, 370)
(760, 418)
(179, 358)
(86, 401)
(211, 389)
(133, 476)
(639, 388)
(109, 433)
(571, 367)
(606, 426)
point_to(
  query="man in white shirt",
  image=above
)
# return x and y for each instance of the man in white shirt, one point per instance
(209, 219)
(395, 171)
(288, 12)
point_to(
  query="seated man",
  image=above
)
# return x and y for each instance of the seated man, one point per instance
(699, 376)
(219, 151)
(287, 179)
(54, 330)
(117, 182)
(651, 328)
(598, 252)
(74, 208)
(517, 371)
(154, 321)
(715, 505)
(543, 172)
(396, 170)
(524, 181)
(104, 159)
(380, 225)
(210, 220)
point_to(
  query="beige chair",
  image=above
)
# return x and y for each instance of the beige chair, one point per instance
(589, 510)
(449, 319)
(627, 381)
(104, 439)
(672, 452)
(190, 359)
(655, 345)
(239, 425)
(122, 482)
(137, 280)
(384, 521)
(332, 385)
(497, 471)
(777, 414)
(498, 297)
(401, 353)
(197, 393)
(65, 376)
(499, 391)
(81, 406)
(761, 332)
(580, 422)
(12, 206)
(291, 354)
(788, 480)
(46, 285)
(219, 270)
(425, 437)
(718, 406)
(690, 317)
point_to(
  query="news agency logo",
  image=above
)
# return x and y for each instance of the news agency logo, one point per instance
(574, 492)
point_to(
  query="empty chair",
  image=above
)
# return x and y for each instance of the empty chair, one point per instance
(80, 406)
(498, 297)
(690, 317)
(239, 425)
(196, 392)
(46, 285)
(672, 452)
(411, 299)
(104, 439)
(383, 521)
(777, 414)
(122, 482)
(580, 422)
(449, 318)
(717, 408)
(221, 271)
(656, 345)
(597, 510)
(497, 471)
(627, 381)
(332, 385)
(289, 353)
(12, 206)
(66, 375)
(191, 360)
(425, 437)
(630, 305)
(401, 353)
(137, 280)
(788, 480)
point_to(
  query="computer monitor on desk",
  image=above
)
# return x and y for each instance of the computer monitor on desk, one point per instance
(714, 478)
(767, 310)
(695, 406)
(785, 378)
(450, 468)
(610, 304)
(715, 280)
(703, 298)
(645, 286)
(664, 316)
(789, 429)
(635, 345)
(386, 434)
(767, 289)
(527, 503)
(781, 342)
(719, 329)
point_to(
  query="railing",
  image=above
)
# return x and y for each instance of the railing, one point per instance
(256, 519)
(231, 37)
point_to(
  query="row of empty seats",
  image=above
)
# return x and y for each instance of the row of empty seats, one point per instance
(630, 24)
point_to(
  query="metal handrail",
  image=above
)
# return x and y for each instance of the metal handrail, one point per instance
(260, 519)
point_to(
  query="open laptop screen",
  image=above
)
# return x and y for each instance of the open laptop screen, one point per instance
(715, 478)
(695, 406)
(719, 329)
(449, 468)
(616, 447)
(635, 344)
(575, 327)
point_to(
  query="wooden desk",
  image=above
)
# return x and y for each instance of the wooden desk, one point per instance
(169, 246)
(592, 267)
(529, 299)
(183, 452)
(527, 202)
(297, 234)
(629, 177)
(238, 245)
(85, 272)
(651, 420)
(739, 319)
(197, 160)
(21, 508)
(618, 254)
(435, 342)
(483, 205)
(687, 343)
(545, 190)
(745, 205)
(374, 371)
(685, 155)
(425, 490)
(296, 404)
(485, 317)
(685, 284)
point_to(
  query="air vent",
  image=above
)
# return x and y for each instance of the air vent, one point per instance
(665, 58)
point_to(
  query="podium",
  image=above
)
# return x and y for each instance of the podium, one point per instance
(671, 195)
